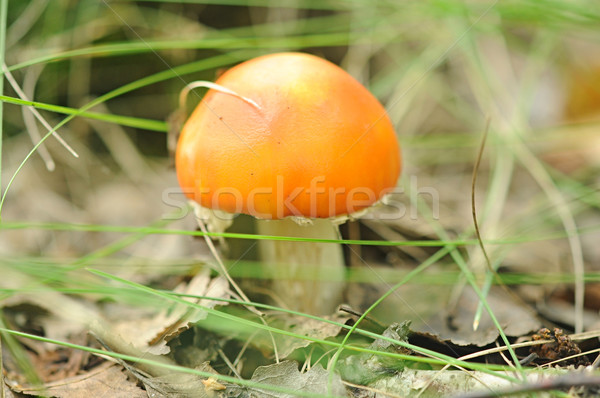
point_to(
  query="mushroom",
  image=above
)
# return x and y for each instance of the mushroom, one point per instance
(298, 143)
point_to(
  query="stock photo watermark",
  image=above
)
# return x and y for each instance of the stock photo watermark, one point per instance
(313, 201)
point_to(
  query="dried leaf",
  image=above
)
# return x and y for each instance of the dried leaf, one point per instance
(184, 385)
(211, 384)
(8, 393)
(312, 328)
(560, 310)
(104, 381)
(451, 383)
(364, 368)
(151, 334)
(286, 375)
(514, 319)
(62, 315)
(178, 386)
(52, 362)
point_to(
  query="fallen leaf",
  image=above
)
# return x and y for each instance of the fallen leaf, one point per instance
(59, 363)
(159, 379)
(458, 327)
(285, 375)
(8, 393)
(364, 368)
(64, 315)
(183, 385)
(313, 328)
(152, 333)
(211, 384)
(453, 383)
(558, 306)
(107, 380)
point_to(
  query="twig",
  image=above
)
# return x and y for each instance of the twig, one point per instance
(549, 384)
(510, 364)
(228, 363)
(596, 362)
(528, 359)
(481, 354)
(581, 354)
(144, 377)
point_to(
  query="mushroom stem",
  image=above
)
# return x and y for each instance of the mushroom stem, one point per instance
(307, 276)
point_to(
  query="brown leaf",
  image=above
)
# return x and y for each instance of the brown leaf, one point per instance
(62, 315)
(152, 333)
(106, 380)
(458, 327)
(184, 385)
(8, 393)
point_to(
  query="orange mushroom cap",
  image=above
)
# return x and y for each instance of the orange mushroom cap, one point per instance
(317, 145)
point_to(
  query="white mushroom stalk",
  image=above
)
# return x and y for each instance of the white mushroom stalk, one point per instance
(308, 271)
(307, 276)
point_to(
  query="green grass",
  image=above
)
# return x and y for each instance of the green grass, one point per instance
(440, 67)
